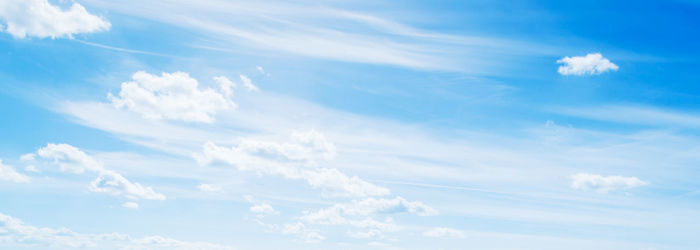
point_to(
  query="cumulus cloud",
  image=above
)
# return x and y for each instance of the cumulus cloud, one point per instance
(603, 184)
(365, 207)
(69, 158)
(444, 232)
(591, 64)
(359, 213)
(8, 173)
(74, 160)
(39, 18)
(173, 96)
(16, 234)
(112, 183)
(293, 160)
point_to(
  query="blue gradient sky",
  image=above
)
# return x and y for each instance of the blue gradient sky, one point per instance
(455, 108)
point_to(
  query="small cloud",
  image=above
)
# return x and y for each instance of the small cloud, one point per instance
(444, 232)
(260, 69)
(209, 188)
(603, 184)
(591, 64)
(8, 173)
(131, 205)
(248, 84)
(27, 157)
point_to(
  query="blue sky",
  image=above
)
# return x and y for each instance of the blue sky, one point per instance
(349, 124)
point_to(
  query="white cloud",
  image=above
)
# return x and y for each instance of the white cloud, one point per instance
(248, 84)
(358, 214)
(38, 18)
(69, 158)
(260, 69)
(112, 183)
(173, 96)
(131, 205)
(209, 188)
(225, 85)
(444, 232)
(72, 159)
(15, 235)
(591, 64)
(27, 157)
(263, 208)
(365, 207)
(8, 173)
(294, 160)
(603, 184)
(306, 234)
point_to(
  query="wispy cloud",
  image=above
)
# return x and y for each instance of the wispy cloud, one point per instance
(329, 33)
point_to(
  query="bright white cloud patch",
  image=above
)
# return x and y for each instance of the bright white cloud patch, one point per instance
(173, 96)
(603, 184)
(8, 173)
(293, 160)
(69, 158)
(38, 18)
(444, 232)
(358, 214)
(72, 159)
(112, 183)
(14, 234)
(366, 207)
(591, 64)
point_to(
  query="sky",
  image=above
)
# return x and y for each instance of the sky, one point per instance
(176, 124)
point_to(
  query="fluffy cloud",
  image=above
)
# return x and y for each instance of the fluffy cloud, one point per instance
(8, 173)
(591, 64)
(69, 158)
(72, 159)
(15, 234)
(39, 18)
(294, 160)
(603, 184)
(174, 96)
(112, 183)
(444, 232)
(358, 214)
(370, 206)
